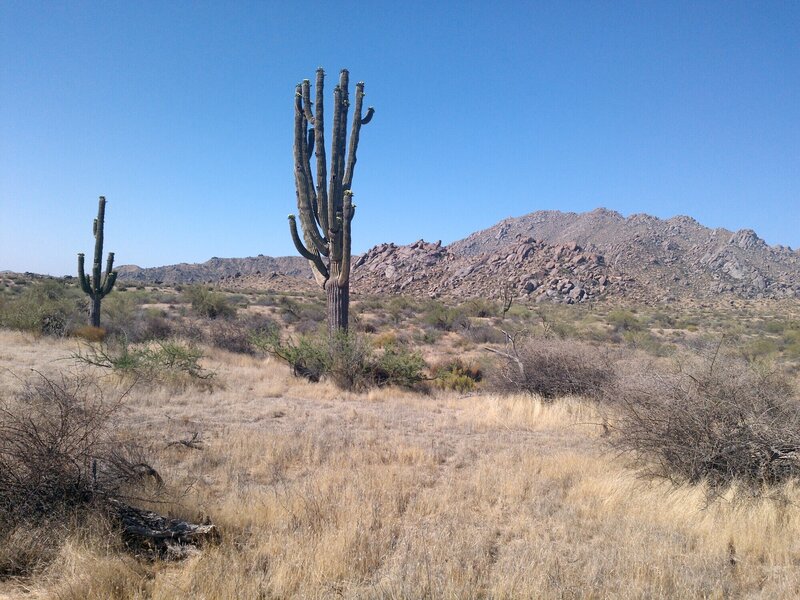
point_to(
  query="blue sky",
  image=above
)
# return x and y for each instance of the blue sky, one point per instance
(180, 113)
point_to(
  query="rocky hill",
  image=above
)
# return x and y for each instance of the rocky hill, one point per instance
(218, 269)
(667, 258)
(544, 256)
(531, 269)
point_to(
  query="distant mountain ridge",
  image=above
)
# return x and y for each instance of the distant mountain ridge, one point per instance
(217, 269)
(546, 256)
(674, 257)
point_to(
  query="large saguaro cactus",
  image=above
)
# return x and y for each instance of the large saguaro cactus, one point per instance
(96, 287)
(326, 214)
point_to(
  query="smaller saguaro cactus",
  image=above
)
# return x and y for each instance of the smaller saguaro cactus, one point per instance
(97, 287)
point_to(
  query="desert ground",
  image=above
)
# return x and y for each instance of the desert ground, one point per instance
(387, 492)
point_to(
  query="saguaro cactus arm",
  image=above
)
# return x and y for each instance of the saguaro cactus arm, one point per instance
(355, 133)
(306, 196)
(348, 211)
(304, 252)
(319, 145)
(82, 275)
(111, 276)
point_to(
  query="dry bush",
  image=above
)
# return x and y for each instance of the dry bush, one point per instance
(237, 335)
(124, 318)
(551, 368)
(61, 460)
(716, 419)
(90, 333)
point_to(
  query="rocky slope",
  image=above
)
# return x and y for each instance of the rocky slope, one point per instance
(545, 256)
(218, 269)
(533, 270)
(666, 258)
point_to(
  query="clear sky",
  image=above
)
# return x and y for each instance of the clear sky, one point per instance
(181, 114)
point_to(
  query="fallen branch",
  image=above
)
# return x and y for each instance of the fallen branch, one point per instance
(150, 531)
(195, 443)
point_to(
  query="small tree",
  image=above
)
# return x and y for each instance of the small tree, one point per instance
(97, 287)
(326, 214)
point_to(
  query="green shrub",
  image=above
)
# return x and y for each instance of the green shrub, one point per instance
(644, 340)
(480, 307)
(456, 375)
(775, 326)
(350, 361)
(759, 349)
(347, 359)
(398, 366)
(307, 357)
(445, 318)
(47, 307)
(624, 320)
(427, 336)
(791, 342)
(208, 303)
(169, 361)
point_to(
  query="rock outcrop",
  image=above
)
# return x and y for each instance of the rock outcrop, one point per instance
(546, 256)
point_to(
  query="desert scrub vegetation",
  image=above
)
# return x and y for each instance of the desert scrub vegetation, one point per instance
(209, 303)
(456, 375)
(173, 362)
(714, 419)
(387, 493)
(551, 368)
(63, 465)
(237, 335)
(46, 307)
(348, 359)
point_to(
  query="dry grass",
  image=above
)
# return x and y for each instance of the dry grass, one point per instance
(323, 494)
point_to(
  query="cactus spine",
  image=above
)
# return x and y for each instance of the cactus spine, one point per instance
(326, 209)
(97, 287)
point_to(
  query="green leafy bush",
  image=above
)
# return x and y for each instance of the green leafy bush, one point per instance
(456, 375)
(347, 359)
(624, 320)
(47, 307)
(445, 318)
(398, 366)
(209, 303)
(307, 357)
(166, 361)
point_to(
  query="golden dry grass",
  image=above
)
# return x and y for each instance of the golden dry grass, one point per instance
(324, 494)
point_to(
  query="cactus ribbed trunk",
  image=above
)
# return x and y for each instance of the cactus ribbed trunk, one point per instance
(94, 312)
(338, 305)
(325, 207)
